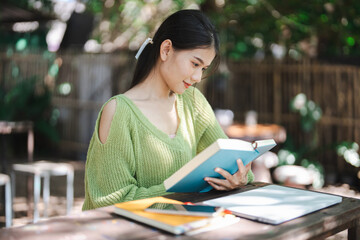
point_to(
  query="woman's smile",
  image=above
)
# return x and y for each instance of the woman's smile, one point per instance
(187, 85)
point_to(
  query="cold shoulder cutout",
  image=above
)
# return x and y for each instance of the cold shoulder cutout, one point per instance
(106, 119)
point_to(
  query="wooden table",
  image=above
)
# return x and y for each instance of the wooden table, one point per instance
(257, 132)
(102, 224)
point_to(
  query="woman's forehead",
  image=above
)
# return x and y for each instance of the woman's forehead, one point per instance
(204, 55)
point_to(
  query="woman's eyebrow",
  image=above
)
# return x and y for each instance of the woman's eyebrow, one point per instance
(200, 60)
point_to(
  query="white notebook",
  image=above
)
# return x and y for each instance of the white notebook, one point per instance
(275, 204)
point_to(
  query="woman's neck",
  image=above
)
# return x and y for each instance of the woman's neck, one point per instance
(152, 88)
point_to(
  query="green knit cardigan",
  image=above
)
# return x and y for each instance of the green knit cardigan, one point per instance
(137, 157)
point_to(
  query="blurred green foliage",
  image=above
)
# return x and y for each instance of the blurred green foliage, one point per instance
(305, 153)
(44, 5)
(24, 97)
(321, 28)
(30, 100)
(126, 24)
(310, 112)
(24, 40)
(349, 151)
(248, 28)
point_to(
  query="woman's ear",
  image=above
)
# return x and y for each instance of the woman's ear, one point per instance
(165, 49)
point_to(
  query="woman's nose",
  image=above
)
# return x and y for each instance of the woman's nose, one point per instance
(196, 77)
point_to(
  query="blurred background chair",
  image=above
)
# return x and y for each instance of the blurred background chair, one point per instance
(293, 176)
(45, 169)
(5, 181)
(262, 165)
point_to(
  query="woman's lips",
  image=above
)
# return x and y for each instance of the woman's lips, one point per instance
(187, 85)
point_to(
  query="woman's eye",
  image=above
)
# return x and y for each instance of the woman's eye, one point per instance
(196, 64)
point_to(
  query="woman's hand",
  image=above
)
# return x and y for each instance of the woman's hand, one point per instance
(230, 182)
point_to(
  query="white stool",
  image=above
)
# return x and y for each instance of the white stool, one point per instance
(44, 169)
(261, 167)
(294, 176)
(5, 180)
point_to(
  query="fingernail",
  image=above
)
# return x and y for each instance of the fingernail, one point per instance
(206, 179)
(217, 169)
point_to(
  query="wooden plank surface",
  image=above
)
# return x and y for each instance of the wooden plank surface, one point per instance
(102, 224)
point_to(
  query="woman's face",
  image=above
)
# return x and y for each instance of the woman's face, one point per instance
(183, 68)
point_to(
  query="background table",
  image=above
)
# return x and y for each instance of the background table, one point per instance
(7, 128)
(256, 132)
(103, 224)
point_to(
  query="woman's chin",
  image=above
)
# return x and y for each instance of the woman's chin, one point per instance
(181, 91)
(178, 90)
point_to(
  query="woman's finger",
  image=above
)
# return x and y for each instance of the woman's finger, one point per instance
(243, 170)
(217, 187)
(240, 177)
(223, 173)
(233, 180)
(241, 166)
(222, 183)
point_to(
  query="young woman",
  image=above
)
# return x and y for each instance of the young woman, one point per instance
(146, 134)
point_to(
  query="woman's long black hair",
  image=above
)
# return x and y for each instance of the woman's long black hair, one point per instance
(187, 29)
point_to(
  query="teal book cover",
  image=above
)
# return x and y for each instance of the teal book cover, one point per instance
(223, 153)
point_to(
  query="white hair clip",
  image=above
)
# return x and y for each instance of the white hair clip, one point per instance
(147, 41)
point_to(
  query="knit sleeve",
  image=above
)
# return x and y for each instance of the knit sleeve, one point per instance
(207, 127)
(110, 175)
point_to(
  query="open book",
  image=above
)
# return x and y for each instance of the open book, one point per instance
(222, 153)
(176, 224)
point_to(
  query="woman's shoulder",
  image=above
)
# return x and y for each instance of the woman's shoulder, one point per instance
(113, 109)
(116, 104)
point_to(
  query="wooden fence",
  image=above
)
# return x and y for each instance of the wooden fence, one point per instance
(93, 79)
(81, 86)
(266, 87)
